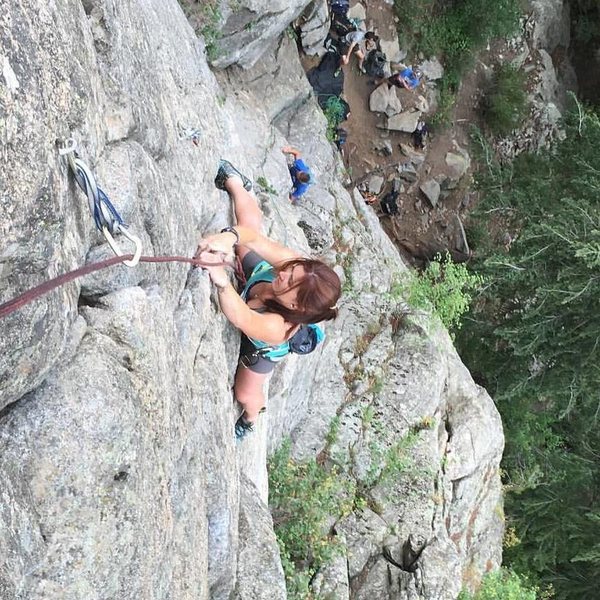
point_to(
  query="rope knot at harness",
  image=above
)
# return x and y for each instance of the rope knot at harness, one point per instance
(105, 215)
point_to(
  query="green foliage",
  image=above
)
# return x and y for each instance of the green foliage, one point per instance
(291, 33)
(386, 464)
(303, 497)
(334, 113)
(505, 103)
(502, 585)
(534, 334)
(453, 31)
(205, 17)
(585, 16)
(443, 115)
(445, 287)
(263, 182)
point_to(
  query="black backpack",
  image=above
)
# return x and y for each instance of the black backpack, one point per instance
(340, 7)
(375, 63)
(342, 25)
(388, 204)
(306, 339)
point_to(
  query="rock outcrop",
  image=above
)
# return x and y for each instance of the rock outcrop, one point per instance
(121, 478)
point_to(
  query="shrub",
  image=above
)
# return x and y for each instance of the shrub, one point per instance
(303, 497)
(453, 31)
(205, 18)
(264, 184)
(505, 103)
(335, 112)
(444, 287)
(502, 585)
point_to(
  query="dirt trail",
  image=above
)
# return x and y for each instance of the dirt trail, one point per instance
(418, 229)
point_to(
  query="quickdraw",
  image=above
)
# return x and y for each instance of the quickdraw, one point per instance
(105, 215)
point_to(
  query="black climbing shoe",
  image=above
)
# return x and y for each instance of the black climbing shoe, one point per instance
(227, 170)
(243, 428)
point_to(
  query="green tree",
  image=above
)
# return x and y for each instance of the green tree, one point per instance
(535, 335)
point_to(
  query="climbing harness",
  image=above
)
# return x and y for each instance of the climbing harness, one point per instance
(304, 341)
(48, 286)
(106, 217)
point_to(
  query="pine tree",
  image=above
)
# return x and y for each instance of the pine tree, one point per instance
(535, 335)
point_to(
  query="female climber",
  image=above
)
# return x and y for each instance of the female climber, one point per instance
(285, 290)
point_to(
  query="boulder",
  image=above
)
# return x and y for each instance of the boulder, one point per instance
(406, 121)
(416, 158)
(394, 105)
(458, 163)
(314, 27)
(431, 190)
(432, 69)
(384, 99)
(391, 49)
(379, 99)
(384, 147)
(358, 13)
(422, 104)
(375, 184)
(408, 172)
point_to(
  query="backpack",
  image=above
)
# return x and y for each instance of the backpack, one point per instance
(389, 205)
(375, 64)
(342, 25)
(306, 339)
(340, 7)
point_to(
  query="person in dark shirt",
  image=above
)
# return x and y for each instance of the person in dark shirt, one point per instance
(361, 43)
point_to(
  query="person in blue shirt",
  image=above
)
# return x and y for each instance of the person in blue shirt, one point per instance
(408, 79)
(299, 172)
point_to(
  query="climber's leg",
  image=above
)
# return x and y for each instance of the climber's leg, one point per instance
(248, 391)
(245, 206)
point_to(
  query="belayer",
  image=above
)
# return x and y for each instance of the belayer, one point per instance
(284, 296)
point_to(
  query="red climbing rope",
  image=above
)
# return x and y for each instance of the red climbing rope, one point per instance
(48, 286)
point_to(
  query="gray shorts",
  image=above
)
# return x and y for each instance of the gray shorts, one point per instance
(248, 357)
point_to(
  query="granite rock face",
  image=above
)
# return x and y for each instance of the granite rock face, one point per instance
(246, 26)
(121, 478)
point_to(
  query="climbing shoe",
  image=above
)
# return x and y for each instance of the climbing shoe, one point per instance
(227, 170)
(243, 428)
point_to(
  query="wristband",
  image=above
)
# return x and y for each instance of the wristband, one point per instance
(232, 230)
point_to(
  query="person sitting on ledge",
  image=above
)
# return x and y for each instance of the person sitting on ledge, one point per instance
(408, 79)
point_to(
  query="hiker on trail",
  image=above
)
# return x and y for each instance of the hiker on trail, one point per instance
(285, 290)
(299, 172)
(408, 79)
(361, 43)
